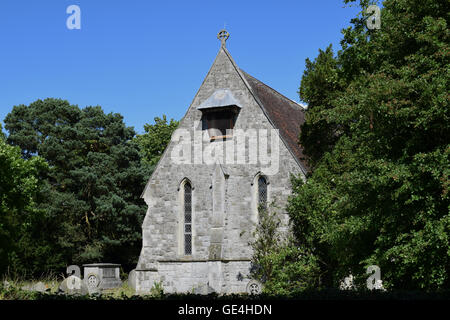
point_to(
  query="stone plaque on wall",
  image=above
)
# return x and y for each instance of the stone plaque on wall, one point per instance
(215, 251)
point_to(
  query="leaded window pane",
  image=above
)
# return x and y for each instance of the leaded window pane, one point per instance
(187, 219)
(262, 192)
(187, 198)
(187, 244)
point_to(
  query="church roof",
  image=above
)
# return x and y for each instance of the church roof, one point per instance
(286, 115)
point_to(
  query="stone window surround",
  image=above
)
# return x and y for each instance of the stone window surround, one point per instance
(180, 238)
(180, 220)
(255, 195)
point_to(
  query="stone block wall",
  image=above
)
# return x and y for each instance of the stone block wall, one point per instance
(200, 277)
(224, 202)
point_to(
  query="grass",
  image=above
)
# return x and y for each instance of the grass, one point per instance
(14, 290)
(19, 288)
(50, 280)
(125, 291)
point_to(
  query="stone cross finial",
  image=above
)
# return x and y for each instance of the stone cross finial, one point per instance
(223, 35)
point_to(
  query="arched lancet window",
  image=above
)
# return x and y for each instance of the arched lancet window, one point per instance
(187, 228)
(262, 192)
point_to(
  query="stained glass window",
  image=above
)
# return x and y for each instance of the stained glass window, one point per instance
(187, 218)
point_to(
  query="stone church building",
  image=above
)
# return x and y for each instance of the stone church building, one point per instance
(233, 152)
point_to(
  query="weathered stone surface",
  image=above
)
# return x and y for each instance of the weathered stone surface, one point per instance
(27, 287)
(99, 276)
(73, 285)
(39, 286)
(6, 284)
(215, 251)
(132, 279)
(224, 201)
(254, 287)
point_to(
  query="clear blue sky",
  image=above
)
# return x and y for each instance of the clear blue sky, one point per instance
(145, 58)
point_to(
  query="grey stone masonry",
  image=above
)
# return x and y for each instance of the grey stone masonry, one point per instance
(102, 276)
(224, 199)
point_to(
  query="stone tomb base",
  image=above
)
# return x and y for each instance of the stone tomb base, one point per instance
(102, 275)
(201, 277)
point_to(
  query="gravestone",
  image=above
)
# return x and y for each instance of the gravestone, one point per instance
(132, 279)
(73, 285)
(26, 287)
(40, 287)
(254, 287)
(98, 276)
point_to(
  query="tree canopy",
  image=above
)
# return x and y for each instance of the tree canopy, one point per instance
(155, 139)
(92, 205)
(377, 136)
(19, 193)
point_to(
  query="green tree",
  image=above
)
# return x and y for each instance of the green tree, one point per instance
(319, 85)
(155, 139)
(92, 205)
(19, 193)
(277, 262)
(379, 190)
(2, 135)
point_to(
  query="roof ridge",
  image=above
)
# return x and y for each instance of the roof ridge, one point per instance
(298, 105)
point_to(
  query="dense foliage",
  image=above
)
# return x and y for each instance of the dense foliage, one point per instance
(19, 193)
(155, 139)
(281, 266)
(90, 207)
(14, 292)
(377, 134)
